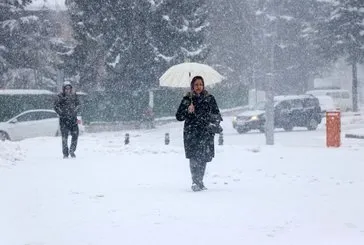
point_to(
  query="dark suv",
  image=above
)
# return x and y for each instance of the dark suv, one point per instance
(289, 111)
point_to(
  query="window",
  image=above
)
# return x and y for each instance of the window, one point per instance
(309, 103)
(297, 104)
(335, 95)
(47, 115)
(30, 116)
(37, 115)
(284, 105)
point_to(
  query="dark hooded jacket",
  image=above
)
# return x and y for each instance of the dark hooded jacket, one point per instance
(198, 140)
(67, 106)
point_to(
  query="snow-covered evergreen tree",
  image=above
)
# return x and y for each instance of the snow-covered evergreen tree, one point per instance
(130, 57)
(30, 52)
(16, 28)
(9, 22)
(289, 25)
(132, 42)
(89, 21)
(230, 35)
(181, 31)
(345, 29)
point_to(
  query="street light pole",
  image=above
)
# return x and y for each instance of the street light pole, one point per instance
(269, 107)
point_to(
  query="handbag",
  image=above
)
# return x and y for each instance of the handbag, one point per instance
(214, 126)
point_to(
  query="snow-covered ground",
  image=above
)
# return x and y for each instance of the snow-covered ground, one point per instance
(295, 192)
(10, 153)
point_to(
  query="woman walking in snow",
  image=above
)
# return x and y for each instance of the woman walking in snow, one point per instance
(201, 114)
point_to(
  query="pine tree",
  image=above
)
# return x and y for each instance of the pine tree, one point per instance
(9, 14)
(89, 21)
(231, 36)
(113, 50)
(289, 25)
(180, 30)
(130, 58)
(15, 3)
(133, 42)
(32, 52)
(15, 28)
(345, 28)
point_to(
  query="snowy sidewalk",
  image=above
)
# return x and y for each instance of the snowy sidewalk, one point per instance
(140, 194)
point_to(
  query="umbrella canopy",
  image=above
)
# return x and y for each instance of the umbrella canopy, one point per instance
(180, 76)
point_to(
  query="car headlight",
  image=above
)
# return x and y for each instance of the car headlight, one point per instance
(254, 118)
(234, 119)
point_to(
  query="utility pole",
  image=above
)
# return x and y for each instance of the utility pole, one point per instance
(253, 32)
(269, 106)
(60, 77)
(355, 85)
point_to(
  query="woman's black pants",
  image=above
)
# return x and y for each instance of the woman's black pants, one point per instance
(197, 171)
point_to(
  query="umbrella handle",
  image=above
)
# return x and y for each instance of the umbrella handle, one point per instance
(191, 100)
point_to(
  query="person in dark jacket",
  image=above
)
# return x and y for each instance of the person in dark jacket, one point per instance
(197, 109)
(67, 105)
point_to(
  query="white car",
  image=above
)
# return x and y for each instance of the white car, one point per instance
(342, 98)
(326, 103)
(32, 123)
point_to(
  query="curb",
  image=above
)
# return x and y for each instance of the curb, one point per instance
(354, 136)
(132, 125)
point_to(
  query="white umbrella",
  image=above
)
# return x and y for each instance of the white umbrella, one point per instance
(180, 76)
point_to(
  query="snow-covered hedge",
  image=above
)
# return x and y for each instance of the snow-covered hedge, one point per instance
(10, 153)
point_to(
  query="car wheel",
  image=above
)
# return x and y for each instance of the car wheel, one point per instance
(3, 136)
(312, 124)
(288, 127)
(242, 130)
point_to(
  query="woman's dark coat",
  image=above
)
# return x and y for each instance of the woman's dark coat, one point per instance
(198, 141)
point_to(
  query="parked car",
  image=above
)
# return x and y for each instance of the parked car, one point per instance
(289, 112)
(32, 123)
(342, 98)
(250, 119)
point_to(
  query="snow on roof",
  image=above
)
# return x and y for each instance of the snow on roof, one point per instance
(24, 92)
(291, 97)
(36, 110)
(323, 91)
